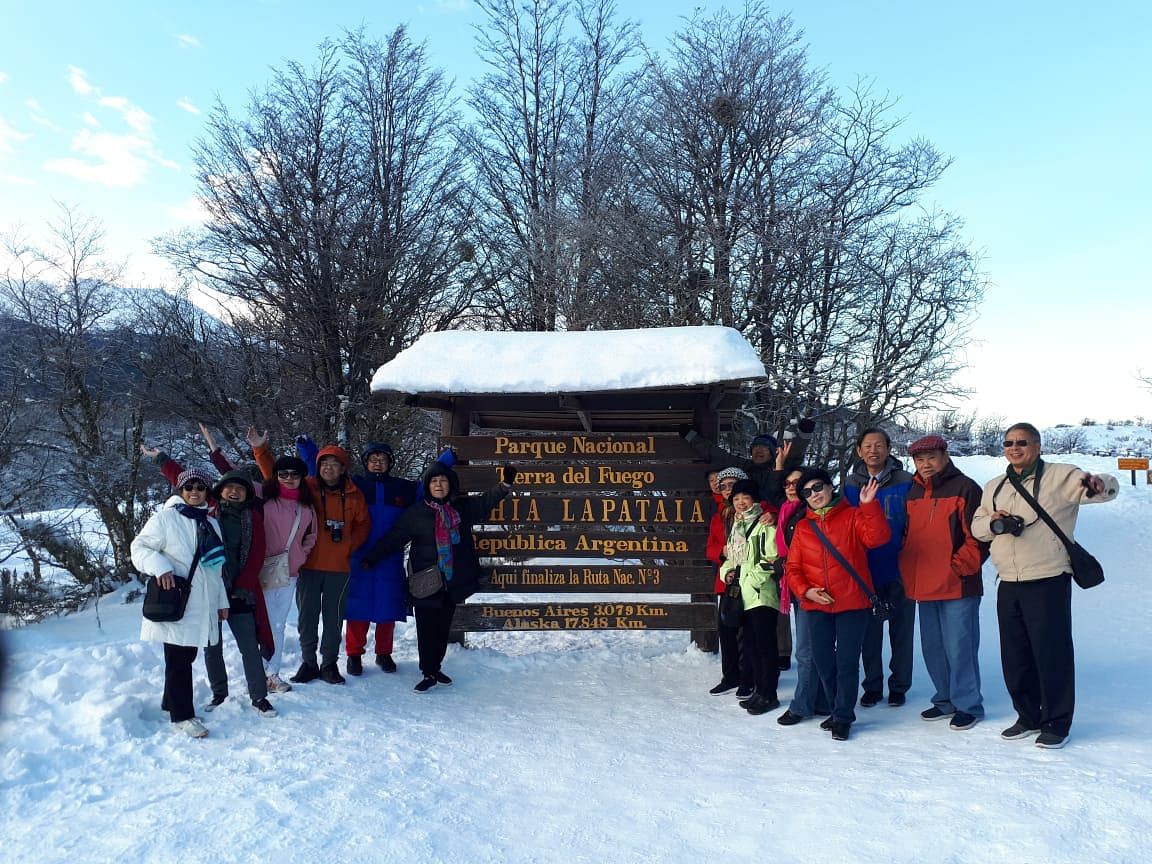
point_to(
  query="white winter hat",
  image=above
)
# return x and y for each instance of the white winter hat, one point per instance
(732, 474)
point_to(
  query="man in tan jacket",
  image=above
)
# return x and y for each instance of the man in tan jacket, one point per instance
(1034, 600)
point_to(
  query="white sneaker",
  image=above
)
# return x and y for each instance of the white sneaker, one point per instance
(276, 684)
(192, 727)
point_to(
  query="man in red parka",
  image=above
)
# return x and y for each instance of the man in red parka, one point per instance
(940, 562)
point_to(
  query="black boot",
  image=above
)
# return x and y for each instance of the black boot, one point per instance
(329, 674)
(355, 665)
(385, 662)
(308, 671)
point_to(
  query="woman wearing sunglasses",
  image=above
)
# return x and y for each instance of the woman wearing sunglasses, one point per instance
(827, 587)
(181, 541)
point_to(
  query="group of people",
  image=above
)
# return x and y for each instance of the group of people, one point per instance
(846, 562)
(311, 531)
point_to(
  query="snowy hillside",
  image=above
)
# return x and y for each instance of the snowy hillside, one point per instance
(576, 747)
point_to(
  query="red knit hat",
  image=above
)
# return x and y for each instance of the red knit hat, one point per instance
(927, 444)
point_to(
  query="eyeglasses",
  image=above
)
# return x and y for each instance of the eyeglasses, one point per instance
(288, 475)
(727, 484)
(194, 487)
(814, 489)
(790, 484)
(1019, 442)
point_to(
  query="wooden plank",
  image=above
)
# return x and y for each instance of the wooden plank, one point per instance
(641, 477)
(598, 615)
(591, 544)
(567, 448)
(591, 578)
(579, 510)
(1132, 464)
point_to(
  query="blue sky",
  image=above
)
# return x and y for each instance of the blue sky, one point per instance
(1043, 107)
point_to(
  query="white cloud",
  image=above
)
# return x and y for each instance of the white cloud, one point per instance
(79, 81)
(190, 212)
(185, 105)
(15, 180)
(110, 160)
(3, 77)
(10, 136)
(90, 120)
(133, 115)
(187, 40)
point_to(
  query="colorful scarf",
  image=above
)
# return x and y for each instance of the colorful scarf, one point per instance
(209, 547)
(447, 535)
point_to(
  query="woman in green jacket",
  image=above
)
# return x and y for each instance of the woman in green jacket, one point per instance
(752, 560)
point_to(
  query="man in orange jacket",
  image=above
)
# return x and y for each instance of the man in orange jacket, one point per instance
(940, 563)
(321, 590)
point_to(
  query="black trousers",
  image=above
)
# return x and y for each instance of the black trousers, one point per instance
(761, 650)
(733, 664)
(901, 635)
(433, 626)
(1036, 651)
(178, 660)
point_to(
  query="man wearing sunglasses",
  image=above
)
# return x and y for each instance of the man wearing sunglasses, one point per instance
(1034, 598)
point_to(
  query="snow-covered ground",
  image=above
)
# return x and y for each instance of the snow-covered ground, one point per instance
(576, 747)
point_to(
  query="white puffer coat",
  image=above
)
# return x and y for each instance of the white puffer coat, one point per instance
(167, 543)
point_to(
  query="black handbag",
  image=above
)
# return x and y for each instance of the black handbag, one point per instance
(166, 604)
(732, 603)
(1086, 570)
(881, 609)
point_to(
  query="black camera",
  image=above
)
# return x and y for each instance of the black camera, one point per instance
(1013, 525)
(335, 528)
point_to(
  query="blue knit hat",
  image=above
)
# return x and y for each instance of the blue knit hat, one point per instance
(765, 440)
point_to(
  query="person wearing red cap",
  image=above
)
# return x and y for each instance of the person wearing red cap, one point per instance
(940, 564)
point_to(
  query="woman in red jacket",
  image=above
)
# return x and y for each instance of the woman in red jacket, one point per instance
(825, 586)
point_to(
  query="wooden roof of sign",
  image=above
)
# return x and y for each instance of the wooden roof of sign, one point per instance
(610, 380)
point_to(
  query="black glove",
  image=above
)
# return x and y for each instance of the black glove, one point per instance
(508, 475)
(806, 426)
(776, 568)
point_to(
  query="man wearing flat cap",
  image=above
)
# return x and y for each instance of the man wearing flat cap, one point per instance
(940, 563)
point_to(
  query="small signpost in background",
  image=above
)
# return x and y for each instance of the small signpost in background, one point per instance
(1135, 464)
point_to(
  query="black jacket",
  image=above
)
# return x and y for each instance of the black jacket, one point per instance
(417, 526)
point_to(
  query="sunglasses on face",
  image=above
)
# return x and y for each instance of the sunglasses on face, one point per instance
(814, 489)
(790, 484)
(1019, 442)
(288, 475)
(194, 487)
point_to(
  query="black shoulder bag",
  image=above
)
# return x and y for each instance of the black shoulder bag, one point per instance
(881, 611)
(168, 604)
(1086, 570)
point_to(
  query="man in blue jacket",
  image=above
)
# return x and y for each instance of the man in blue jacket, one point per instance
(875, 459)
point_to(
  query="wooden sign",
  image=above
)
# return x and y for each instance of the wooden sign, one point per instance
(607, 477)
(565, 448)
(569, 578)
(590, 544)
(1132, 464)
(596, 615)
(693, 512)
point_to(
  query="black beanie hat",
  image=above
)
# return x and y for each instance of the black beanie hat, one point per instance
(746, 487)
(292, 463)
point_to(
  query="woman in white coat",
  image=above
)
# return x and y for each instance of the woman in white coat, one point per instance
(177, 536)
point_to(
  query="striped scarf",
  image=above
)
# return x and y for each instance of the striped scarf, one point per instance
(447, 535)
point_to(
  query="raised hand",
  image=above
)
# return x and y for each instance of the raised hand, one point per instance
(868, 493)
(782, 454)
(208, 439)
(150, 452)
(256, 439)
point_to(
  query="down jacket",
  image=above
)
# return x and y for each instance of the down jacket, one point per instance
(167, 544)
(883, 562)
(853, 531)
(1037, 553)
(940, 559)
(343, 503)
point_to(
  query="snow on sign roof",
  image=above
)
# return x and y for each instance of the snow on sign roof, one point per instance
(466, 361)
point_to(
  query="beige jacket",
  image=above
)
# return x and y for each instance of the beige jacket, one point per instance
(1037, 553)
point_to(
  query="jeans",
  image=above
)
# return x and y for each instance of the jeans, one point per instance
(901, 633)
(836, 641)
(950, 640)
(321, 593)
(243, 627)
(809, 696)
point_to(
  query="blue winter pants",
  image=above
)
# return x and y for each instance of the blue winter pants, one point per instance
(950, 640)
(809, 696)
(836, 641)
(901, 634)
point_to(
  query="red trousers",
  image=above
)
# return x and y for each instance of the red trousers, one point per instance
(356, 637)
